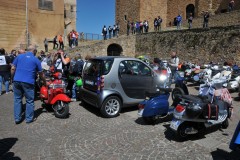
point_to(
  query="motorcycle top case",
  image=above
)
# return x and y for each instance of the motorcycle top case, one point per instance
(194, 110)
(156, 106)
(210, 112)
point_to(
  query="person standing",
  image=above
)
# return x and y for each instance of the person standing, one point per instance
(46, 44)
(110, 32)
(205, 19)
(117, 29)
(114, 30)
(73, 38)
(23, 86)
(159, 23)
(128, 27)
(231, 5)
(60, 39)
(155, 23)
(179, 21)
(133, 28)
(5, 67)
(104, 32)
(61, 61)
(55, 42)
(174, 62)
(190, 20)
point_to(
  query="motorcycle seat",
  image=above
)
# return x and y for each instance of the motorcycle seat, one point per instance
(154, 94)
(197, 99)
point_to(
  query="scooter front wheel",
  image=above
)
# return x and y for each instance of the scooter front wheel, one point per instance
(61, 109)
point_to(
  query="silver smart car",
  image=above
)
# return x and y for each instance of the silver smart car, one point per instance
(110, 83)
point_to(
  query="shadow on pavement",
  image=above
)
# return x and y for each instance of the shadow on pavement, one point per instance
(236, 99)
(220, 154)
(5, 145)
(141, 121)
(172, 136)
(91, 109)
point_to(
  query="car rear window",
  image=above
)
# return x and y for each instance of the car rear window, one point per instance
(96, 67)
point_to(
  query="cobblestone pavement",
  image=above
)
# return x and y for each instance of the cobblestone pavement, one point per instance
(86, 135)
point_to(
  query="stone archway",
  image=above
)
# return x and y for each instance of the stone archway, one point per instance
(114, 50)
(190, 9)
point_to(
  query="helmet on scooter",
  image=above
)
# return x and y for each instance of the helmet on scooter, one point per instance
(79, 83)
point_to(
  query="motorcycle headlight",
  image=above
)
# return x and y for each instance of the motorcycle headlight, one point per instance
(162, 77)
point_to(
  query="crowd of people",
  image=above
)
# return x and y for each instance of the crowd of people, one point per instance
(58, 41)
(25, 62)
(110, 31)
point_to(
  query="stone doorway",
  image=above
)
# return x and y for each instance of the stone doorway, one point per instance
(190, 9)
(114, 50)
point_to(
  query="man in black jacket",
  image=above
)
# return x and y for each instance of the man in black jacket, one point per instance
(5, 69)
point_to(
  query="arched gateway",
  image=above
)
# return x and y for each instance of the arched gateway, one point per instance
(114, 50)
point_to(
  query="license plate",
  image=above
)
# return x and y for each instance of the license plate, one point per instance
(140, 112)
(175, 124)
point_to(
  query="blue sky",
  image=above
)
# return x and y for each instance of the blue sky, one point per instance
(93, 14)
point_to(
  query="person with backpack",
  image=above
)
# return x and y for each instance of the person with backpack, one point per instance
(110, 32)
(104, 32)
(76, 68)
(179, 21)
(61, 62)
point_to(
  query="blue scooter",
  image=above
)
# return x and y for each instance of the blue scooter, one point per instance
(235, 142)
(156, 105)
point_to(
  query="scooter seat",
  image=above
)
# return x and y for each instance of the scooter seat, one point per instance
(196, 99)
(153, 94)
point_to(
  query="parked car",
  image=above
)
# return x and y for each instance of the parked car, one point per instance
(111, 83)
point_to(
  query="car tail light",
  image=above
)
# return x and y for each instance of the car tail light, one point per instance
(164, 72)
(141, 106)
(179, 108)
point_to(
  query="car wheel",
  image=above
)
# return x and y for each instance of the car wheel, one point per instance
(111, 107)
(225, 124)
(176, 93)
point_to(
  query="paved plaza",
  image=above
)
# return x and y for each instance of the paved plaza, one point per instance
(86, 135)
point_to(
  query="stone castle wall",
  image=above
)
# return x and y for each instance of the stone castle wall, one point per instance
(13, 24)
(149, 10)
(217, 44)
(130, 9)
(200, 45)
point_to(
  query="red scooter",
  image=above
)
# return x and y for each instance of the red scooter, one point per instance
(54, 95)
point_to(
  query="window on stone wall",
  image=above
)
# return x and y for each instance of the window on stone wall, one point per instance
(125, 17)
(72, 8)
(45, 5)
